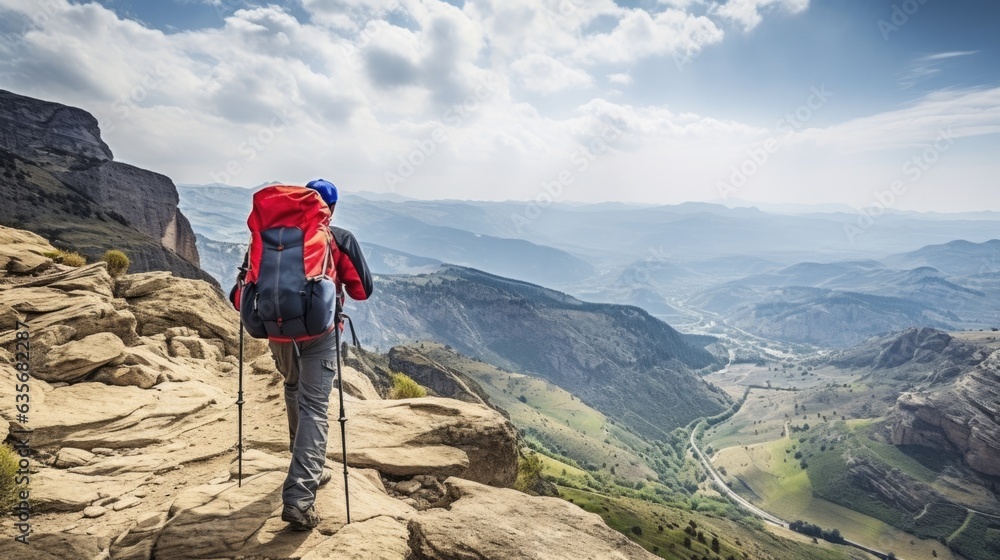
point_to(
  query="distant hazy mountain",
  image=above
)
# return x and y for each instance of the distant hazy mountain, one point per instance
(957, 258)
(382, 260)
(816, 316)
(221, 259)
(423, 230)
(618, 359)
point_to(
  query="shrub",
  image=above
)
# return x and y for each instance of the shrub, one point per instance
(74, 259)
(529, 470)
(117, 262)
(62, 257)
(8, 474)
(405, 388)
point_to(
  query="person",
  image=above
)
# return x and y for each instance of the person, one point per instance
(309, 369)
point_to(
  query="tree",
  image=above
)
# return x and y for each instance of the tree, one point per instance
(715, 545)
(687, 542)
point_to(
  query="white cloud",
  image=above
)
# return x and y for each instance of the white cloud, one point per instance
(543, 74)
(748, 13)
(640, 34)
(363, 84)
(959, 113)
(929, 66)
(620, 79)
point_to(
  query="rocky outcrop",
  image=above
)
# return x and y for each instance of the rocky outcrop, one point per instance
(889, 485)
(485, 522)
(429, 435)
(963, 417)
(122, 469)
(69, 189)
(48, 132)
(913, 355)
(434, 376)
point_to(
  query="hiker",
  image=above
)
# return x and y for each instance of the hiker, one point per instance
(310, 366)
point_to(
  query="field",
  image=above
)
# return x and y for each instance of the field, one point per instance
(661, 530)
(788, 452)
(774, 480)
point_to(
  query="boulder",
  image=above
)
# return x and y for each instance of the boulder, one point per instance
(92, 278)
(435, 436)
(23, 252)
(142, 377)
(192, 303)
(381, 538)
(358, 385)
(443, 437)
(74, 360)
(69, 457)
(487, 522)
(84, 313)
(137, 542)
(197, 348)
(215, 521)
(58, 490)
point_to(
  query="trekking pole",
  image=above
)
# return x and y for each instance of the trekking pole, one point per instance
(343, 419)
(239, 405)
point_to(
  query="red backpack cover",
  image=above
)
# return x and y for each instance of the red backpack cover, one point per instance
(290, 286)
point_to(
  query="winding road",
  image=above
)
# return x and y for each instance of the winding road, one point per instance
(767, 517)
(730, 492)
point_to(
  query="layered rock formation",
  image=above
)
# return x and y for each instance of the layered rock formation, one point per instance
(916, 355)
(963, 417)
(64, 184)
(133, 419)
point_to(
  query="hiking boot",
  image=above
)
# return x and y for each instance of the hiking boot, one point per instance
(300, 520)
(327, 476)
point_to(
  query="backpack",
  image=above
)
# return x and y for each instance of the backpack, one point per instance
(290, 289)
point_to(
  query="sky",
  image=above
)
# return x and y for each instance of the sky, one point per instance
(868, 103)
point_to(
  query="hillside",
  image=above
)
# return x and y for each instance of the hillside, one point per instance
(63, 183)
(618, 359)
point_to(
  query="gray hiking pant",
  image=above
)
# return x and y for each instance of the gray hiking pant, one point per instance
(307, 398)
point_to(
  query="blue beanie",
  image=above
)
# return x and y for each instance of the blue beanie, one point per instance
(326, 190)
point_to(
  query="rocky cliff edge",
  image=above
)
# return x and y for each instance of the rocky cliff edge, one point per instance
(133, 423)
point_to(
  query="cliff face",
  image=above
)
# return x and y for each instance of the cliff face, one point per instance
(963, 417)
(62, 179)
